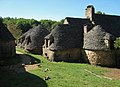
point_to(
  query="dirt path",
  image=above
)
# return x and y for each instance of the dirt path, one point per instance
(112, 73)
(26, 62)
(23, 66)
(25, 59)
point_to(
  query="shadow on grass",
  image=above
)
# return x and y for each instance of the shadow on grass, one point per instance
(11, 60)
(13, 74)
(20, 58)
(11, 79)
(32, 59)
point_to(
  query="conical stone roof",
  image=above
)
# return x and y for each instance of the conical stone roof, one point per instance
(95, 39)
(34, 38)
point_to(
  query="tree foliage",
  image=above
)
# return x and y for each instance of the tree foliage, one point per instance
(1, 19)
(18, 26)
(21, 23)
(117, 43)
(99, 12)
(49, 24)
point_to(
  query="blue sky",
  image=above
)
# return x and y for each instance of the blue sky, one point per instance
(55, 9)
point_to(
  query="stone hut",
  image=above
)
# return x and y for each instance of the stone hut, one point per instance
(64, 43)
(96, 32)
(110, 23)
(99, 47)
(33, 39)
(7, 42)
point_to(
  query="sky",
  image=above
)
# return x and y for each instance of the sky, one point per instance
(55, 9)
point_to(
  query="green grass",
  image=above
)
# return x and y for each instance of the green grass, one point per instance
(62, 74)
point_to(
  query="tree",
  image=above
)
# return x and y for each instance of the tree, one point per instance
(18, 26)
(62, 21)
(117, 43)
(16, 32)
(99, 12)
(1, 19)
(49, 24)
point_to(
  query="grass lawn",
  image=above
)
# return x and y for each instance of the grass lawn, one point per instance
(61, 74)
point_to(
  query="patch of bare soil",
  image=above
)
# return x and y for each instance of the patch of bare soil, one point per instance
(31, 67)
(112, 73)
(27, 63)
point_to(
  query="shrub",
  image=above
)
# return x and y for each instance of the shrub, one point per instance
(117, 43)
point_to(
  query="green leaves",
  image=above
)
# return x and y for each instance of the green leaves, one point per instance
(18, 26)
(99, 12)
(117, 43)
(49, 24)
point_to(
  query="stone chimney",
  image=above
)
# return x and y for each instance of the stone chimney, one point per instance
(85, 29)
(90, 12)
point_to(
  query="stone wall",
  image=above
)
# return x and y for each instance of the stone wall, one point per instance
(48, 54)
(118, 58)
(65, 21)
(7, 49)
(102, 58)
(70, 55)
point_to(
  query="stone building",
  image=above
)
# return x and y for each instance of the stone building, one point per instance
(7, 43)
(33, 39)
(97, 33)
(99, 47)
(64, 44)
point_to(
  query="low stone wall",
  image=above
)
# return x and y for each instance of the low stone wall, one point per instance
(102, 58)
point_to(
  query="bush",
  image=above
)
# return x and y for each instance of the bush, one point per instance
(117, 43)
